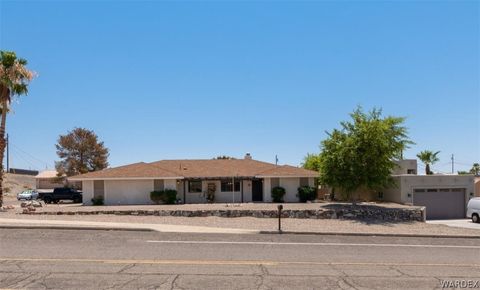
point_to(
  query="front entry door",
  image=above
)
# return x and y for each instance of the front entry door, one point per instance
(257, 190)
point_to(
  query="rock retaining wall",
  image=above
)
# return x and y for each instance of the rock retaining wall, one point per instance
(331, 212)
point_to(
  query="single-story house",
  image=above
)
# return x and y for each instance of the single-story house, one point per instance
(477, 186)
(49, 179)
(231, 180)
(445, 196)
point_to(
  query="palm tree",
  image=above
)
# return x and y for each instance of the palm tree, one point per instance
(14, 80)
(428, 158)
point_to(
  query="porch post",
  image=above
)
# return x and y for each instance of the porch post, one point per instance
(241, 188)
(184, 191)
(233, 190)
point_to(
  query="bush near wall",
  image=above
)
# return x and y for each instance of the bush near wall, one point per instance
(278, 193)
(97, 201)
(306, 193)
(167, 196)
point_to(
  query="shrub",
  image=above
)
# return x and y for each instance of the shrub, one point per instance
(167, 196)
(156, 196)
(306, 193)
(97, 200)
(170, 196)
(278, 193)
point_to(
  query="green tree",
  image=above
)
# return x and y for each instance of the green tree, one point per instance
(362, 153)
(224, 157)
(475, 169)
(14, 81)
(81, 152)
(428, 158)
(311, 162)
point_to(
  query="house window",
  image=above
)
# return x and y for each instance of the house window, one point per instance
(411, 171)
(195, 186)
(226, 186)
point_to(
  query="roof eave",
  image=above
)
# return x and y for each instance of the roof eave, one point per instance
(286, 176)
(123, 178)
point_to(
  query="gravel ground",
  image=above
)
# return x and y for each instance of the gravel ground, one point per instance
(16, 183)
(298, 225)
(69, 207)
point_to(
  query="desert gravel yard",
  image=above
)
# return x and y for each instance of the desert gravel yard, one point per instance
(251, 223)
(263, 224)
(69, 207)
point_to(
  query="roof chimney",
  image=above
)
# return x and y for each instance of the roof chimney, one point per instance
(248, 156)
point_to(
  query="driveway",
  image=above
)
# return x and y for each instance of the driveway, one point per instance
(462, 223)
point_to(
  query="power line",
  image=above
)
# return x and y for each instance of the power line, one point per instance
(33, 166)
(30, 159)
(31, 156)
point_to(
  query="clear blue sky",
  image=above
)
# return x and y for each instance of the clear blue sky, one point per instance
(167, 80)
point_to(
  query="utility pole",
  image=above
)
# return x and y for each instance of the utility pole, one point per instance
(276, 159)
(453, 163)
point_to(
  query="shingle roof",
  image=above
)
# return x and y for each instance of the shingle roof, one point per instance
(200, 168)
(136, 170)
(288, 171)
(215, 167)
(47, 174)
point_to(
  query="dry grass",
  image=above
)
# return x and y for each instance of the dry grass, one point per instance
(16, 183)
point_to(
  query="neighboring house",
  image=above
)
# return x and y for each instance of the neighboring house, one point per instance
(477, 186)
(49, 179)
(232, 180)
(444, 195)
(406, 166)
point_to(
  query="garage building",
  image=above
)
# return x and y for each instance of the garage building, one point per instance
(444, 196)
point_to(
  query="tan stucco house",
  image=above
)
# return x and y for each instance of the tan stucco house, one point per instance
(49, 179)
(443, 195)
(233, 180)
(477, 186)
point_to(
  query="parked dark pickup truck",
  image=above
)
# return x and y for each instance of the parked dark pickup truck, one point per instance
(62, 193)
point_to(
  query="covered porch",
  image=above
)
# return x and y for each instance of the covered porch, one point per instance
(235, 189)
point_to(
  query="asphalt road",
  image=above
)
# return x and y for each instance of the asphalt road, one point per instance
(80, 259)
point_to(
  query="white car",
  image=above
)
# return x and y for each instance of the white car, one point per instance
(28, 195)
(473, 209)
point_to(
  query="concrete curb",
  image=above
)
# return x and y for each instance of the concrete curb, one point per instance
(94, 228)
(75, 225)
(371, 235)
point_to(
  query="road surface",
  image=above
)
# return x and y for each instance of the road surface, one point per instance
(83, 259)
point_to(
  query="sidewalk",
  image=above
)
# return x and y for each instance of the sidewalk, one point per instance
(460, 223)
(62, 224)
(243, 225)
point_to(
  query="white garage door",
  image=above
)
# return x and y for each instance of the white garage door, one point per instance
(441, 203)
(128, 192)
